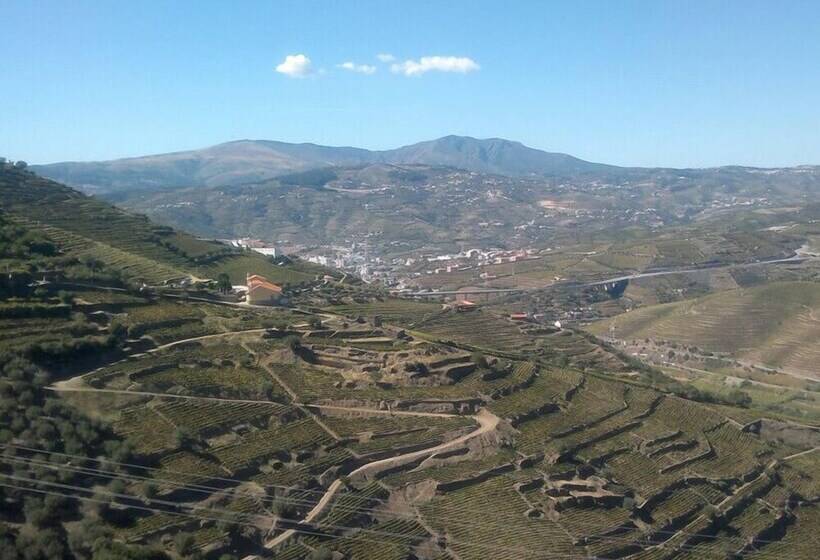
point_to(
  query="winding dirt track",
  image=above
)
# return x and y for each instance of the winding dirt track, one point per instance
(487, 422)
(62, 385)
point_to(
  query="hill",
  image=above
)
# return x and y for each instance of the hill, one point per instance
(88, 228)
(409, 207)
(169, 426)
(775, 324)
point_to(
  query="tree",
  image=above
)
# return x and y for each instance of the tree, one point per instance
(739, 398)
(66, 298)
(118, 329)
(283, 509)
(85, 536)
(267, 389)
(184, 543)
(113, 550)
(293, 342)
(43, 544)
(149, 491)
(93, 264)
(223, 283)
(184, 439)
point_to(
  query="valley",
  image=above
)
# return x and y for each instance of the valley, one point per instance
(590, 408)
(377, 280)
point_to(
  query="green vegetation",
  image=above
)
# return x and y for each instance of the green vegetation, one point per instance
(136, 423)
(130, 245)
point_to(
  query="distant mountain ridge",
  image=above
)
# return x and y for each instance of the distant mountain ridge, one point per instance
(244, 161)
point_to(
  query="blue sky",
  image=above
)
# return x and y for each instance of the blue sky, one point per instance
(633, 83)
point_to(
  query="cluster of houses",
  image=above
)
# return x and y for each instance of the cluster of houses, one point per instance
(467, 260)
(254, 244)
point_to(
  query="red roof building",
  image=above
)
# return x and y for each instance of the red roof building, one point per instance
(261, 290)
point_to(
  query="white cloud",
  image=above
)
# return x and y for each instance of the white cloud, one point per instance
(460, 64)
(360, 68)
(295, 66)
(385, 57)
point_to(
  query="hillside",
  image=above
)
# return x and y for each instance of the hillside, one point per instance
(224, 164)
(403, 208)
(140, 425)
(349, 436)
(246, 161)
(777, 325)
(88, 228)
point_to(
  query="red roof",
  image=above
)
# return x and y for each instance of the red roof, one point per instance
(254, 282)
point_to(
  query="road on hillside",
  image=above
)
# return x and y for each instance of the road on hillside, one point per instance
(796, 258)
(487, 422)
(784, 260)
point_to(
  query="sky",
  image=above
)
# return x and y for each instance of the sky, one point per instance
(654, 83)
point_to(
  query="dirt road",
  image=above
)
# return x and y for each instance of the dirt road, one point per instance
(487, 422)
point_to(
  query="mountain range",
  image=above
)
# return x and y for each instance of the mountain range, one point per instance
(245, 161)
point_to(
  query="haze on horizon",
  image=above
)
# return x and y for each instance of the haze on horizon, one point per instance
(637, 84)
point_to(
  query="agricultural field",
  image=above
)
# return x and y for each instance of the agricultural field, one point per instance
(758, 340)
(578, 463)
(771, 318)
(401, 312)
(379, 428)
(90, 230)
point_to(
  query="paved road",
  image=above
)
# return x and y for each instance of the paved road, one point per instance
(796, 258)
(792, 259)
(751, 381)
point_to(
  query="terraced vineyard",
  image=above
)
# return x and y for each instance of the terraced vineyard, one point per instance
(87, 228)
(397, 311)
(477, 328)
(775, 325)
(427, 435)
(575, 463)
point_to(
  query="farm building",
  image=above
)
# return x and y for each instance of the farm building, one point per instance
(261, 290)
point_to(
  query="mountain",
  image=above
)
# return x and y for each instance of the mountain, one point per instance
(493, 155)
(225, 164)
(246, 161)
